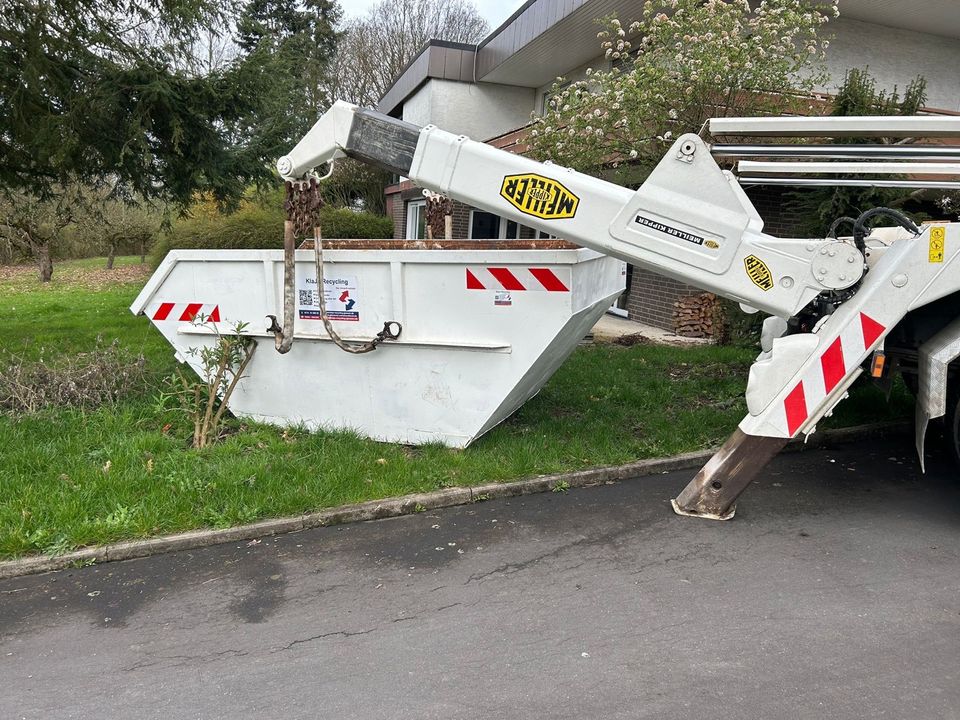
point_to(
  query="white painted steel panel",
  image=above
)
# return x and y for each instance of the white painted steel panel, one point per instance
(925, 126)
(843, 168)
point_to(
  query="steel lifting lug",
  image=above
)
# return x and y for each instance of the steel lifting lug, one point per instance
(687, 150)
(388, 333)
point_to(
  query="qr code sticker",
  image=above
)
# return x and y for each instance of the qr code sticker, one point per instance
(307, 297)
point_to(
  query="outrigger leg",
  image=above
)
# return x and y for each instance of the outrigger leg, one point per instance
(713, 493)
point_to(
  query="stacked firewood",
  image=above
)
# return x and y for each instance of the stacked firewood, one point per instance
(439, 216)
(699, 316)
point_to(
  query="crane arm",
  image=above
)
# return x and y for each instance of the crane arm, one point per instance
(690, 220)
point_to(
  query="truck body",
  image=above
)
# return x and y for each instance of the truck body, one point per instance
(883, 300)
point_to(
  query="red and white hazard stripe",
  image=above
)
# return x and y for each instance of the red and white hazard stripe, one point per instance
(184, 312)
(843, 355)
(515, 279)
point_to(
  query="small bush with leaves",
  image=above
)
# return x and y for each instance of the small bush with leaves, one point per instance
(90, 380)
(204, 400)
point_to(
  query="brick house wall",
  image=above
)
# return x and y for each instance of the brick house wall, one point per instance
(650, 297)
(398, 195)
(779, 218)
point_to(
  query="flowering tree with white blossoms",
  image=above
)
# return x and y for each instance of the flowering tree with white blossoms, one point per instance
(694, 60)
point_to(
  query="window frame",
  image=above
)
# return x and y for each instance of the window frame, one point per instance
(503, 222)
(413, 226)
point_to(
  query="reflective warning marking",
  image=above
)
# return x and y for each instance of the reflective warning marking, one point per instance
(517, 279)
(840, 358)
(185, 312)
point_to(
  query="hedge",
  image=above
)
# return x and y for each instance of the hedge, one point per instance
(254, 227)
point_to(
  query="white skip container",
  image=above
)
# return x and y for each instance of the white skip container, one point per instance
(485, 325)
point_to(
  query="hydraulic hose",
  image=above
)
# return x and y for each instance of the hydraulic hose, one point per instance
(860, 229)
(832, 232)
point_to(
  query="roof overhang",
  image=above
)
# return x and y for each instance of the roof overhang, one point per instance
(547, 38)
(438, 59)
(932, 17)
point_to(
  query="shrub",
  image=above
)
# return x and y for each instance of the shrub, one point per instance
(205, 400)
(89, 380)
(695, 60)
(255, 227)
(346, 224)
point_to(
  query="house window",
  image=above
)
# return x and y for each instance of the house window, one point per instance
(484, 225)
(487, 226)
(417, 220)
(545, 103)
(625, 62)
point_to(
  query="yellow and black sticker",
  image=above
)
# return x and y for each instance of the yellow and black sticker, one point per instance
(938, 242)
(539, 196)
(758, 272)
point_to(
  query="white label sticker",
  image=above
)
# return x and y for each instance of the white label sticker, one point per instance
(341, 298)
(502, 298)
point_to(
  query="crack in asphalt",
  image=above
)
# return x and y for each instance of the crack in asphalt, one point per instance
(435, 610)
(185, 659)
(515, 567)
(342, 633)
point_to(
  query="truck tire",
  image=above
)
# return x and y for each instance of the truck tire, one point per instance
(953, 425)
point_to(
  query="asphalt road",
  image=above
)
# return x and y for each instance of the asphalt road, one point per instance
(835, 593)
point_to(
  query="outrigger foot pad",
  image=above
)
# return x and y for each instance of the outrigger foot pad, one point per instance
(713, 493)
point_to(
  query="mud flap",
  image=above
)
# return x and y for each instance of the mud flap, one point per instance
(713, 493)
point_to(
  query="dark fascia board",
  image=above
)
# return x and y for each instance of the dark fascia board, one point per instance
(426, 48)
(450, 44)
(506, 23)
(417, 82)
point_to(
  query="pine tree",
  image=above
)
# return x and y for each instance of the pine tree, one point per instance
(94, 89)
(858, 95)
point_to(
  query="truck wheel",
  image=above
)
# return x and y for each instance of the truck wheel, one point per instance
(953, 426)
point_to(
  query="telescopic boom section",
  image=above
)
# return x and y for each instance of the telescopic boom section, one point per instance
(346, 130)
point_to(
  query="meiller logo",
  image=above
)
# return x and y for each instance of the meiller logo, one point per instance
(758, 272)
(539, 196)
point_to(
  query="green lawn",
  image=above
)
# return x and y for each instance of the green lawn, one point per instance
(70, 478)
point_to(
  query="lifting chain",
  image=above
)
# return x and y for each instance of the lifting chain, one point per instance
(302, 207)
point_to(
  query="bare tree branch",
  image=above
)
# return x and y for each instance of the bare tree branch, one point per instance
(375, 49)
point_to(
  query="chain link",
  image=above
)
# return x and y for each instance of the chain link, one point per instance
(302, 206)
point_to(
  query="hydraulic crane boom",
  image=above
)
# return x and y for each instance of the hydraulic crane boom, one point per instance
(690, 220)
(693, 222)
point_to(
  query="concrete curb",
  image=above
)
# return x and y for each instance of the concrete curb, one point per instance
(406, 505)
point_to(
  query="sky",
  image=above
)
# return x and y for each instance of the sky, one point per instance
(495, 11)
